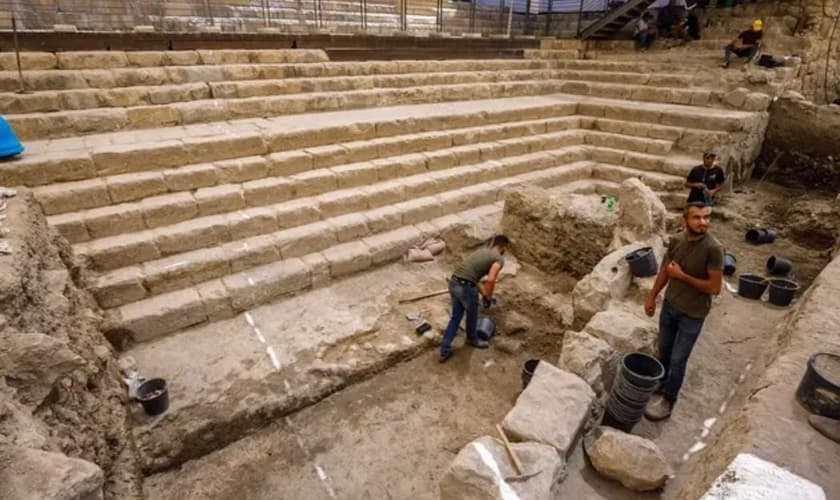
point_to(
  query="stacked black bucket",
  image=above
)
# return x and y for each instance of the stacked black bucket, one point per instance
(638, 376)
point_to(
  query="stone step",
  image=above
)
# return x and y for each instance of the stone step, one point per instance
(696, 96)
(83, 122)
(552, 54)
(128, 97)
(635, 78)
(326, 259)
(174, 75)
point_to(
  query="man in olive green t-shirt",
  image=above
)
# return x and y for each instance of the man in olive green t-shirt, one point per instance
(465, 286)
(693, 271)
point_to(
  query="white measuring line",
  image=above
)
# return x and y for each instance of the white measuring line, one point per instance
(268, 349)
(322, 474)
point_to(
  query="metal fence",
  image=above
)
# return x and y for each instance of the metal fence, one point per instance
(479, 17)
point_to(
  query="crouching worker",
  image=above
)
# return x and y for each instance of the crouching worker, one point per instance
(465, 286)
(746, 44)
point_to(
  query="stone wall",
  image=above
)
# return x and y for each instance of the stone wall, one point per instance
(804, 141)
(64, 431)
(818, 23)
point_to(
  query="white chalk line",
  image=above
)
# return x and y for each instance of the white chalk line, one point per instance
(505, 491)
(322, 474)
(272, 355)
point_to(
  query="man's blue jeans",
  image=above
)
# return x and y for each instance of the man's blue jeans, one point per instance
(677, 335)
(464, 300)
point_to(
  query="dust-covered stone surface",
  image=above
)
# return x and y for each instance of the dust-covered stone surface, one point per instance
(635, 462)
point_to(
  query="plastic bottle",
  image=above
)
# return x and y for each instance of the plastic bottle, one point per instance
(610, 203)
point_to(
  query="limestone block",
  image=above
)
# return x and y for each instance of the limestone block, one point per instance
(29, 473)
(166, 94)
(392, 245)
(641, 213)
(124, 97)
(91, 60)
(342, 202)
(349, 227)
(319, 268)
(114, 219)
(240, 72)
(162, 314)
(250, 222)
(219, 199)
(625, 330)
(360, 151)
(636, 462)
(483, 471)
(356, 174)
(181, 271)
(551, 410)
(208, 110)
(268, 190)
(145, 59)
(588, 357)
(748, 476)
(192, 234)
(295, 213)
(126, 158)
(72, 196)
(289, 163)
(301, 240)
(193, 74)
(420, 209)
(314, 182)
(135, 186)
(737, 97)
(34, 103)
(384, 219)
(190, 177)
(756, 101)
(29, 61)
(71, 226)
(264, 283)
(609, 280)
(120, 251)
(119, 287)
(241, 169)
(348, 258)
(181, 58)
(152, 116)
(254, 251)
(327, 156)
(168, 209)
(139, 78)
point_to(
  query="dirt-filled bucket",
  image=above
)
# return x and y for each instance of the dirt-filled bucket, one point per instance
(751, 286)
(153, 394)
(528, 370)
(819, 390)
(782, 291)
(778, 265)
(638, 376)
(642, 262)
(760, 236)
(730, 264)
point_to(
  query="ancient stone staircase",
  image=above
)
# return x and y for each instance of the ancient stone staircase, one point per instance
(207, 207)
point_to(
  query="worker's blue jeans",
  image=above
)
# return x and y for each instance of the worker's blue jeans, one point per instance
(464, 300)
(677, 335)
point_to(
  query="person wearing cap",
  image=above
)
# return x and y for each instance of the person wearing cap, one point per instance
(704, 181)
(745, 44)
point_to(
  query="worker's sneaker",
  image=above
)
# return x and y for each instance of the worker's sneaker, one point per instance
(658, 408)
(444, 355)
(478, 343)
(725, 65)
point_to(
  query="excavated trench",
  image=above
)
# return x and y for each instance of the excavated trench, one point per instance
(391, 431)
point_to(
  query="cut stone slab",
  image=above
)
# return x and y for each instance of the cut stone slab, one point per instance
(636, 462)
(27, 474)
(751, 478)
(551, 410)
(625, 331)
(641, 212)
(482, 471)
(608, 281)
(588, 357)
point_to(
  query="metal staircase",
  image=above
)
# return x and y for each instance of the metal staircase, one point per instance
(615, 19)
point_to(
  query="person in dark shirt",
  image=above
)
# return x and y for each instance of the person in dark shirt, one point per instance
(669, 16)
(705, 180)
(745, 44)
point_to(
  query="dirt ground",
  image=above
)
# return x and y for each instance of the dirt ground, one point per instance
(393, 436)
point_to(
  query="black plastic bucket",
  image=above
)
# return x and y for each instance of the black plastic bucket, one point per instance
(782, 291)
(642, 262)
(759, 236)
(638, 376)
(154, 396)
(751, 286)
(778, 265)
(729, 264)
(819, 390)
(528, 370)
(485, 328)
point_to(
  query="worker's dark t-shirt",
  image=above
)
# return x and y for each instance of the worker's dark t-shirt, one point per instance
(711, 177)
(477, 264)
(750, 37)
(695, 258)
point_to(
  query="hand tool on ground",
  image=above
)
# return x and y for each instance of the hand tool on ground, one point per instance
(423, 296)
(512, 454)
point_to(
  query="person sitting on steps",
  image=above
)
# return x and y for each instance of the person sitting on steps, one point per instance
(706, 180)
(746, 44)
(464, 288)
(644, 33)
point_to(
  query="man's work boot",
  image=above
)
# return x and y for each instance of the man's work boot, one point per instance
(828, 427)
(444, 355)
(478, 343)
(658, 408)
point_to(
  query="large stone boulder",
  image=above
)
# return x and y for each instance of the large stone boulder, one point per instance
(636, 462)
(588, 357)
(552, 409)
(558, 232)
(482, 471)
(641, 213)
(609, 281)
(35, 362)
(625, 328)
(27, 474)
